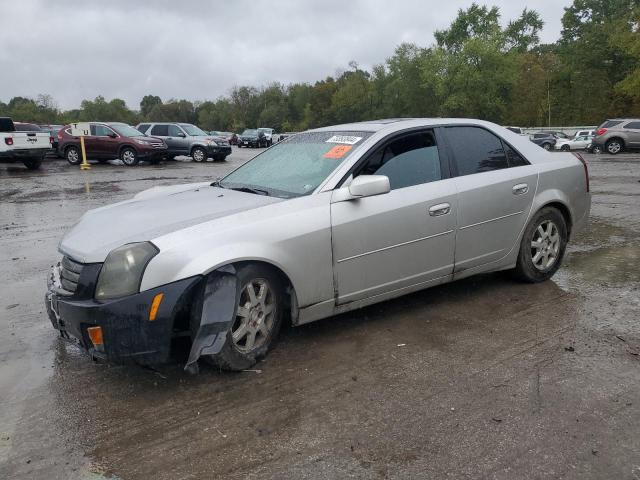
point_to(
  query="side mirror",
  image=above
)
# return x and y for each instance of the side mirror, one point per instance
(113, 135)
(362, 186)
(181, 134)
(369, 185)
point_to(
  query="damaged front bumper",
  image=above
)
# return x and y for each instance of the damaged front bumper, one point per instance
(128, 333)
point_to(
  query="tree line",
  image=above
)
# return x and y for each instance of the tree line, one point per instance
(476, 68)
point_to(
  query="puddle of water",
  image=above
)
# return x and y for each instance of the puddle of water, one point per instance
(616, 264)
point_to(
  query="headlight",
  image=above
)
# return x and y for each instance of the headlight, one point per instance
(142, 142)
(221, 143)
(122, 271)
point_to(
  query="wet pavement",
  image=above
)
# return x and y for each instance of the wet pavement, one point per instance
(481, 378)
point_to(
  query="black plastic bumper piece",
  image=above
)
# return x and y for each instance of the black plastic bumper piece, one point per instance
(129, 335)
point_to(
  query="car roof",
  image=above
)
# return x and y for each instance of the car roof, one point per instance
(393, 124)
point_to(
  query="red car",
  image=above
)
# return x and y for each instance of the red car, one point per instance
(109, 141)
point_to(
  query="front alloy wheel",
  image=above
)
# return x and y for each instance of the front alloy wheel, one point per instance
(257, 319)
(546, 146)
(254, 316)
(199, 155)
(129, 157)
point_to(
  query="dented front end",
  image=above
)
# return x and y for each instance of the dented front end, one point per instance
(136, 328)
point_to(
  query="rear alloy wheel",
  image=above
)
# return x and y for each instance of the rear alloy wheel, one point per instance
(72, 154)
(613, 146)
(129, 157)
(257, 320)
(198, 154)
(542, 247)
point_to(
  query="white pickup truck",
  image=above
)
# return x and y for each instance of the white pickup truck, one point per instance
(26, 147)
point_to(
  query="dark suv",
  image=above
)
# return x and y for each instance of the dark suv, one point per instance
(616, 135)
(109, 141)
(545, 140)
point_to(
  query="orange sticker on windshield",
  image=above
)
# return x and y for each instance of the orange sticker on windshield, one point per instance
(338, 151)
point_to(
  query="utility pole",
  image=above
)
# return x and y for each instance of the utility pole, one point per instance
(549, 100)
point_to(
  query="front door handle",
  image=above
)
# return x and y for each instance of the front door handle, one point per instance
(440, 209)
(520, 189)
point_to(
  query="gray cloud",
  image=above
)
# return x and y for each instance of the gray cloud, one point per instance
(199, 49)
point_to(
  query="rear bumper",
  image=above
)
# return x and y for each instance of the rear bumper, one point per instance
(21, 154)
(129, 335)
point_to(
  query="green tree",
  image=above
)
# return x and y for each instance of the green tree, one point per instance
(147, 104)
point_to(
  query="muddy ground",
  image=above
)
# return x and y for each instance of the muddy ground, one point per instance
(482, 378)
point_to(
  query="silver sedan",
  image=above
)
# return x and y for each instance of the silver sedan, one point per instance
(328, 221)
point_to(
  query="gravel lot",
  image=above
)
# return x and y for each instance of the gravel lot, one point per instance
(481, 378)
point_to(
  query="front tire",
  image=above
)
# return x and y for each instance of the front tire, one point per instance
(546, 146)
(257, 321)
(542, 246)
(565, 148)
(129, 157)
(199, 154)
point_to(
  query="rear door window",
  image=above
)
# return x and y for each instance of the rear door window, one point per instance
(100, 131)
(160, 130)
(174, 131)
(476, 150)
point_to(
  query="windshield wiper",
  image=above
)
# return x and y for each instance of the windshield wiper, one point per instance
(257, 191)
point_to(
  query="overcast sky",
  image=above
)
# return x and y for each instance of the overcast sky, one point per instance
(199, 49)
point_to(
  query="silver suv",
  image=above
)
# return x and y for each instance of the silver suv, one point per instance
(617, 134)
(187, 139)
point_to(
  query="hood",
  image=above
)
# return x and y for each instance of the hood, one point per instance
(153, 213)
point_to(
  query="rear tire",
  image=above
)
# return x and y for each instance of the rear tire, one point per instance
(72, 154)
(257, 319)
(542, 246)
(33, 164)
(614, 146)
(129, 157)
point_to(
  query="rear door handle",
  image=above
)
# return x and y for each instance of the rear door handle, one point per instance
(440, 209)
(520, 189)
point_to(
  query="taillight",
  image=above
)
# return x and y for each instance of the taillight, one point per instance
(586, 169)
(60, 135)
(8, 140)
(601, 131)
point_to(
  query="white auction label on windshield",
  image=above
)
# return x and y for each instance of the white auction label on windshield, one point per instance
(345, 139)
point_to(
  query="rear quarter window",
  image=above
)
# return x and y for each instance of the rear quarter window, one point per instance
(633, 125)
(610, 123)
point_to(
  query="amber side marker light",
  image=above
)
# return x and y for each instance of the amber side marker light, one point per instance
(95, 335)
(155, 305)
